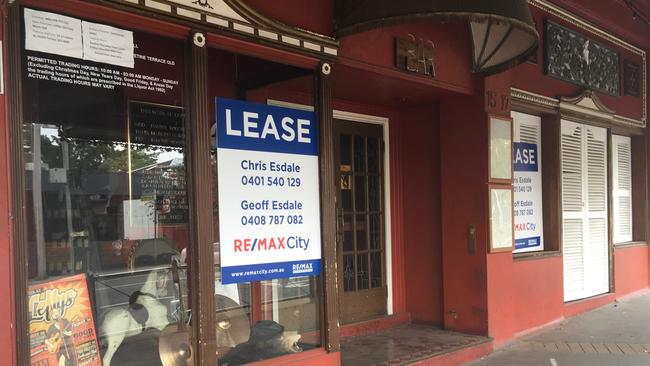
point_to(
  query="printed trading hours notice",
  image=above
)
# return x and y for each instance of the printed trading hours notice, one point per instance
(269, 208)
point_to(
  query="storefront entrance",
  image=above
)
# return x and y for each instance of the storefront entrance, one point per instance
(360, 221)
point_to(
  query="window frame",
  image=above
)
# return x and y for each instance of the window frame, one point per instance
(196, 71)
(616, 192)
(551, 176)
(588, 215)
(540, 151)
(639, 188)
(550, 112)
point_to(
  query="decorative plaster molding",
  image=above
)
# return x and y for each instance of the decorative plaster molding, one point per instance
(587, 99)
(552, 9)
(625, 121)
(237, 17)
(584, 107)
(587, 107)
(537, 100)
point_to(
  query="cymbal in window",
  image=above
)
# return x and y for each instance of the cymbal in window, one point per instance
(174, 347)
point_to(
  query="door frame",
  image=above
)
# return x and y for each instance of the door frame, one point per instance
(384, 123)
(585, 216)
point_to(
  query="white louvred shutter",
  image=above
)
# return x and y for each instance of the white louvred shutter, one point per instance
(596, 245)
(584, 210)
(573, 210)
(527, 129)
(622, 188)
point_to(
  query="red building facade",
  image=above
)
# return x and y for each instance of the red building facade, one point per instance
(419, 221)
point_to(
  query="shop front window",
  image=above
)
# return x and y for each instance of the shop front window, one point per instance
(106, 195)
(260, 319)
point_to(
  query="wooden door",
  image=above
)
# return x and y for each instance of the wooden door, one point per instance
(360, 221)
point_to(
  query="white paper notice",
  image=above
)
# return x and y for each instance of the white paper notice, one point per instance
(53, 33)
(110, 45)
(139, 219)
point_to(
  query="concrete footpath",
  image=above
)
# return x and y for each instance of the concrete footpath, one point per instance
(616, 334)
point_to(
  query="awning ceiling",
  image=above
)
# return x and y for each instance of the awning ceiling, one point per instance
(503, 32)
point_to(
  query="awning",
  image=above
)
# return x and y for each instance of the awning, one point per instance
(503, 32)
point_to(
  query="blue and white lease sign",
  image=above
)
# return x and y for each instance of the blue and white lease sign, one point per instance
(527, 183)
(269, 207)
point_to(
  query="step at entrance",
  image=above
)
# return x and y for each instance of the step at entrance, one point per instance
(412, 344)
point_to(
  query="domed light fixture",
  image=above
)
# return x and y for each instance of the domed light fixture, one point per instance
(503, 32)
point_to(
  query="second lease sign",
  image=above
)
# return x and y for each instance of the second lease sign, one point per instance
(269, 208)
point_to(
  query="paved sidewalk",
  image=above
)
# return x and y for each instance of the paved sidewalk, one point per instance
(616, 334)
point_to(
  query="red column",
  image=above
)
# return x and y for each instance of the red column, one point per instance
(463, 168)
(500, 266)
(478, 286)
(7, 305)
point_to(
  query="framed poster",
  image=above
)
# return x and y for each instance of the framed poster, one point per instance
(269, 200)
(500, 149)
(501, 233)
(61, 325)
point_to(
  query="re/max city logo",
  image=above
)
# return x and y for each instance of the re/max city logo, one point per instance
(269, 244)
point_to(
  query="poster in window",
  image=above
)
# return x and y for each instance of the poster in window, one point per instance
(500, 150)
(61, 324)
(269, 202)
(501, 233)
(527, 183)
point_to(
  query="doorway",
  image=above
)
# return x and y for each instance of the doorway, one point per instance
(585, 244)
(361, 243)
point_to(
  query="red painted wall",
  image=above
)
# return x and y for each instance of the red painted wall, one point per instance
(422, 232)
(535, 290)
(452, 52)
(632, 269)
(531, 290)
(501, 292)
(538, 295)
(463, 152)
(7, 306)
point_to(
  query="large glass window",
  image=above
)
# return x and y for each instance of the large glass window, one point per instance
(260, 319)
(106, 197)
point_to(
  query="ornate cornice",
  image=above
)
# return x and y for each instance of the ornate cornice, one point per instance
(585, 107)
(587, 99)
(589, 27)
(237, 17)
(625, 121)
(536, 100)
